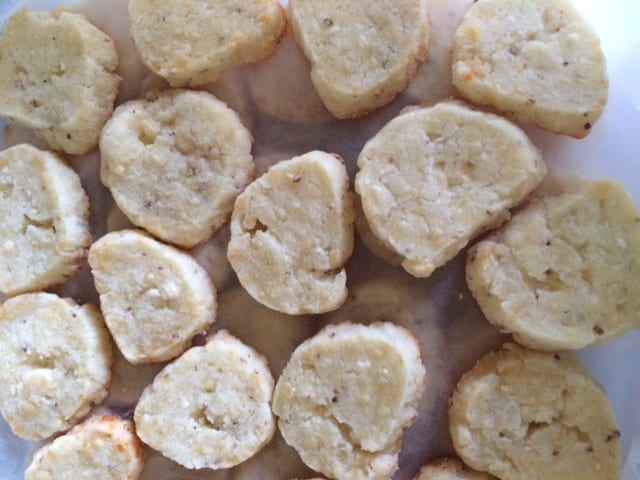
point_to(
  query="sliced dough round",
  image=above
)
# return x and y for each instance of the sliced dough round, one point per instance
(537, 61)
(210, 407)
(191, 42)
(292, 232)
(155, 298)
(57, 77)
(362, 54)
(434, 178)
(56, 363)
(563, 274)
(175, 163)
(534, 415)
(44, 230)
(346, 395)
(450, 469)
(102, 448)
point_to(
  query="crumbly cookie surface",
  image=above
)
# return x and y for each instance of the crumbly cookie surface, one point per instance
(536, 61)
(562, 274)
(57, 77)
(362, 54)
(434, 178)
(192, 42)
(346, 395)
(534, 415)
(291, 234)
(101, 448)
(175, 163)
(155, 298)
(56, 363)
(44, 233)
(210, 407)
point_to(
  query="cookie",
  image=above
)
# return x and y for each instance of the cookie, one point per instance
(434, 178)
(154, 298)
(191, 42)
(103, 448)
(534, 415)
(563, 273)
(57, 77)
(346, 395)
(450, 469)
(175, 163)
(536, 61)
(210, 407)
(291, 234)
(56, 363)
(44, 230)
(362, 54)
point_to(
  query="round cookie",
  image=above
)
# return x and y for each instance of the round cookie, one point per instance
(191, 42)
(563, 273)
(56, 363)
(434, 178)
(155, 298)
(536, 61)
(450, 469)
(102, 448)
(175, 163)
(210, 407)
(362, 54)
(57, 77)
(291, 234)
(346, 395)
(534, 415)
(44, 230)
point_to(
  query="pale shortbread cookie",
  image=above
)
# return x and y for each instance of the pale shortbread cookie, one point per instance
(191, 42)
(155, 298)
(346, 395)
(537, 61)
(210, 407)
(534, 416)
(175, 163)
(434, 178)
(102, 448)
(563, 274)
(44, 232)
(56, 363)
(450, 469)
(57, 77)
(291, 234)
(362, 54)
(281, 86)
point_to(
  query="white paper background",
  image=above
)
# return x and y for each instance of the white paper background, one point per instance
(611, 150)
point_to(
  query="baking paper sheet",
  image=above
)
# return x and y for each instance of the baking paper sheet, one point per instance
(276, 101)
